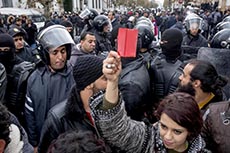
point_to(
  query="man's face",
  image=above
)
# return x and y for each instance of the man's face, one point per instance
(100, 84)
(106, 28)
(19, 22)
(194, 29)
(58, 58)
(186, 84)
(19, 42)
(88, 44)
(69, 29)
(110, 16)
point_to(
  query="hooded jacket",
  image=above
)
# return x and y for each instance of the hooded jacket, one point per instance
(44, 90)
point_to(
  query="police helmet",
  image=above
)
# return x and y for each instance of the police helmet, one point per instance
(53, 37)
(193, 21)
(220, 26)
(223, 25)
(226, 19)
(146, 35)
(89, 14)
(100, 21)
(221, 39)
(145, 22)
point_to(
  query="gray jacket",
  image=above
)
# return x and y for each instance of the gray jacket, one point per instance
(129, 135)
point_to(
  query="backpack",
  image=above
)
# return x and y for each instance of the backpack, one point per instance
(16, 88)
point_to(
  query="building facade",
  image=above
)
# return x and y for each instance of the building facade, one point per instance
(96, 4)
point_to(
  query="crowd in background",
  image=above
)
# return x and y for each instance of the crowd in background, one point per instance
(64, 88)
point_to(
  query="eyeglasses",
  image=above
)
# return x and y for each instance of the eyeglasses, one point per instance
(16, 39)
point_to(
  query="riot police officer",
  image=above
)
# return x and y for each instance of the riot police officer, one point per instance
(50, 84)
(193, 39)
(88, 16)
(167, 66)
(102, 27)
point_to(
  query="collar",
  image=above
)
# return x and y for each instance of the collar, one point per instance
(203, 103)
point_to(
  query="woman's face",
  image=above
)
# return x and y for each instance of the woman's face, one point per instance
(173, 135)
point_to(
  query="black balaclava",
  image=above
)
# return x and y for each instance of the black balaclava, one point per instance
(171, 43)
(7, 57)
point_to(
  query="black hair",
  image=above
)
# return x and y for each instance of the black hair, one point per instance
(207, 74)
(85, 33)
(113, 13)
(78, 142)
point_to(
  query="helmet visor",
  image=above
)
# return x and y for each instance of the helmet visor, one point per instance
(195, 24)
(84, 14)
(54, 37)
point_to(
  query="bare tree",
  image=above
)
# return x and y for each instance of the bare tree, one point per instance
(45, 3)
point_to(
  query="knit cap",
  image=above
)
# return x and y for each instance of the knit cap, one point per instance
(172, 46)
(86, 70)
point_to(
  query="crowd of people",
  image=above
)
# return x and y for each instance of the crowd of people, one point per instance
(65, 88)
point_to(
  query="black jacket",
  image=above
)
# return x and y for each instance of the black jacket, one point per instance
(44, 90)
(67, 116)
(114, 33)
(59, 122)
(103, 44)
(165, 74)
(134, 85)
(191, 45)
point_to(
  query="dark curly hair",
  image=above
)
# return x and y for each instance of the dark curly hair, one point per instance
(182, 109)
(78, 142)
(4, 124)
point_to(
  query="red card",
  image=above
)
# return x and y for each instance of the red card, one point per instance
(127, 42)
